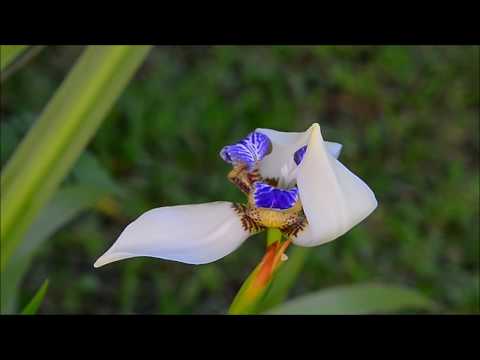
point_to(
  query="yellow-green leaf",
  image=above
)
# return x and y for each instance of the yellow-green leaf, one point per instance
(356, 299)
(34, 304)
(8, 53)
(59, 136)
(64, 206)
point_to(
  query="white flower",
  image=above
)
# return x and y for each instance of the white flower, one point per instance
(333, 198)
(314, 200)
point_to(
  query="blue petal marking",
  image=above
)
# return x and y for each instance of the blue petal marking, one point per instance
(270, 197)
(254, 147)
(299, 154)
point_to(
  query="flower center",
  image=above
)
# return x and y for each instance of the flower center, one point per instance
(288, 173)
(281, 194)
(272, 203)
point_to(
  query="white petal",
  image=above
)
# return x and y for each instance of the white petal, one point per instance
(334, 148)
(193, 234)
(333, 198)
(305, 238)
(286, 138)
(284, 146)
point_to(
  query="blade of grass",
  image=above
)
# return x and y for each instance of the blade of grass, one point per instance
(355, 299)
(67, 203)
(8, 53)
(34, 304)
(21, 62)
(60, 134)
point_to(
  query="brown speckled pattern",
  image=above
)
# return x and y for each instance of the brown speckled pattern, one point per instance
(271, 181)
(292, 230)
(290, 222)
(248, 223)
(255, 220)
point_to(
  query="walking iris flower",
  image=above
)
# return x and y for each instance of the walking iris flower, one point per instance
(293, 182)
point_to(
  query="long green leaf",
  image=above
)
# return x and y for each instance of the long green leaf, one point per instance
(34, 304)
(60, 134)
(8, 53)
(66, 204)
(356, 299)
(27, 56)
(93, 183)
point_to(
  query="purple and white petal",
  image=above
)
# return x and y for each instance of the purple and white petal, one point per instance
(270, 197)
(253, 148)
(299, 154)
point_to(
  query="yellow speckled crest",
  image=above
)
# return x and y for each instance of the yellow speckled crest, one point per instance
(254, 219)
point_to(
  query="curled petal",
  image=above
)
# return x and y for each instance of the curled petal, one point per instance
(193, 234)
(334, 199)
(284, 146)
(254, 147)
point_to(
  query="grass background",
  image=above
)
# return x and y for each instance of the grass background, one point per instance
(409, 121)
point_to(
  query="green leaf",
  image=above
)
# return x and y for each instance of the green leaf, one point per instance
(34, 304)
(356, 299)
(65, 205)
(88, 170)
(285, 278)
(58, 137)
(25, 57)
(8, 53)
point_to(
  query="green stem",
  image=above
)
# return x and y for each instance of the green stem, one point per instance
(273, 235)
(254, 287)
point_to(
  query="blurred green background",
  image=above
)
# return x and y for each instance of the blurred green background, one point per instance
(409, 121)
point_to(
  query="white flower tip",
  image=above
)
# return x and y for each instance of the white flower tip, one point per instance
(284, 257)
(109, 257)
(373, 204)
(315, 130)
(316, 135)
(314, 126)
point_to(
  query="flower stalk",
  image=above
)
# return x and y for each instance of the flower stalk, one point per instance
(257, 283)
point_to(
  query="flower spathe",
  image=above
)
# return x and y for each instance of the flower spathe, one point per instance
(293, 182)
